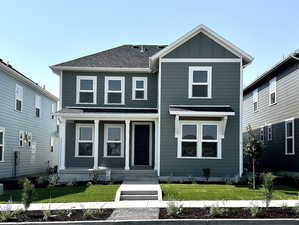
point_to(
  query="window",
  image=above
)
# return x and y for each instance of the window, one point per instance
(114, 90)
(289, 137)
(1, 144)
(139, 88)
(114, 138)
(84, 140)
(37, 105)
(19, 98)
(86, 90)
(200, 82)
(262, 136)
(272, 91)
(53, 110)
(21, 138)
(255, 100)
(269, 132)
(208, 146)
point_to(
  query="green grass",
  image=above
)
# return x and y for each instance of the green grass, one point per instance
(223, 192)
(95, 193)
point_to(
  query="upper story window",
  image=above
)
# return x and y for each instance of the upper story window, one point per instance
(37, 105)
(255, 100)
(200, 82)
(289, 137)
(269, 132)
(114, 140)
(1, 144)
(272, 91)
(115, 90)
(19, 98)
(139, 88)
(84, 140)
(86, 90)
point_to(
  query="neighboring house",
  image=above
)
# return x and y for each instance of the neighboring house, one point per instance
(271, 107)
(26, 124)
(170, 109)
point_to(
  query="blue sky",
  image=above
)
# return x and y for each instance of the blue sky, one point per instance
(37, 34)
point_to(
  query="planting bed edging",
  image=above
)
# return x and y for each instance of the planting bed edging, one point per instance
(173, 222)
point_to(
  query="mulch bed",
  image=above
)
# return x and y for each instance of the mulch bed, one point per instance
(61, 215)
(242, 213)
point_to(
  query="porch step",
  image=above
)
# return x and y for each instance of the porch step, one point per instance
(139, 192)
(138, 197)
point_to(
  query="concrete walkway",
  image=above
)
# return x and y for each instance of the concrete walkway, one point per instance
(148, 204)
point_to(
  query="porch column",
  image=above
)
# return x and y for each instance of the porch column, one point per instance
(127, 155)
(156, 145)
(96, 144)
(62, 127)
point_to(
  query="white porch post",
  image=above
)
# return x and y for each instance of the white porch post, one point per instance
(96, 144)
(127, 155)
(62, 144)
(156, 145)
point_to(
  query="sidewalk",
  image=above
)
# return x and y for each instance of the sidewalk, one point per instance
(148, 204)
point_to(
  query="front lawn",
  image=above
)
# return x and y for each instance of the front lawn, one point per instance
(94, 193)
(223, 192)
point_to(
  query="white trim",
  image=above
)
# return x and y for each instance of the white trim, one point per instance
(62, 135)
(121, 141)
(150, 142)
(100, 69)
(159, 120)
(292, 121)
(60, 90)
(272, 89)
(191, 83)
(19, 95)
(207, 114)
(156, 145)
(94, 89)
(2, 130)
(96, 144)
(107, 91)
(134, 88)
(127, 156)
(78, 126)
(201, 60)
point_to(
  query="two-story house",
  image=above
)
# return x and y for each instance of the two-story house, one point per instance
(271, 107)
(27, 126)
(173, 110)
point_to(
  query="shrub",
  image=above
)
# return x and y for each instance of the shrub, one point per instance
(53, 180)
(92, 213)
(206, 173)
(89, 184)
(27, 194)
(268, 179)
(254, 211)
(216, 211)
(47, 214)
(174, 208)
(7, 214)
(228, 181)
(95, 176)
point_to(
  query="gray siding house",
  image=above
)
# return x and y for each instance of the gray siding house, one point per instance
(170, 110)
(27, 126)
(271, 107)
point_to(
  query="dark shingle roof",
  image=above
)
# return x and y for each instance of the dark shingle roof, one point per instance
(125, 56)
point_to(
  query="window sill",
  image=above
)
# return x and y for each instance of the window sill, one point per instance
(200, 97)
(139, 99)
(2, 161)
(86, 103)
(290, 153)
(114, 104)
(198, 158)
(113, 157)
(273, 104)
(81, 156)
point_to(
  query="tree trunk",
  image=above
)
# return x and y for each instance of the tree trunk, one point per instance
(253, 173)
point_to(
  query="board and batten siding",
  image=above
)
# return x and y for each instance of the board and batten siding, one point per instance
(287, 86)
(69, 89)
(13, 121)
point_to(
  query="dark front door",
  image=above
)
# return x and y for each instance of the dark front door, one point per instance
(141, 145)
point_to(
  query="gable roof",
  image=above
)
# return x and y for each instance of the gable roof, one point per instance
(24, 79)
(270, 73)
(211, 34)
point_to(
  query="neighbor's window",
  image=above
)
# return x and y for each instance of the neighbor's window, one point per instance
(200, 82)
(114, 90)
(255, 100)
(113, 144)
(21, 138)
(262, 136)
(86, 90)
(272, 91)
(139, 88)
(189, 140)
(37, 105)
(209, 140)
(84, 137)
(289, 137)
(269, 132)
(53, 110)
(1, 144)
(19, 98)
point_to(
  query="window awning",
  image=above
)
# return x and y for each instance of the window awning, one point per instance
(201, 110)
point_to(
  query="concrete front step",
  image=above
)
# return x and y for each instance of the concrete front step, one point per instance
(138, 192)
(138, 197)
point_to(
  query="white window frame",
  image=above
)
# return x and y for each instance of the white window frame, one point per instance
(38, 105)
(270, 137)
(21, 139)
(144, 89)
(262, 134)
(2, 130)
(94, 89)
(122, 91)
(208, 83)
(106, 141)
(255, 98)
(290, 137)
(272, 89)
(82, 125)
(20, 98)
(199, 139)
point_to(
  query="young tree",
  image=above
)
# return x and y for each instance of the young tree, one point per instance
(268, 179)
(253, 148)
